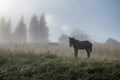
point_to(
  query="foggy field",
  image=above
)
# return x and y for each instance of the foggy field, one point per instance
(56, 62)
(51, 67)
(35, 36)
(99, 51)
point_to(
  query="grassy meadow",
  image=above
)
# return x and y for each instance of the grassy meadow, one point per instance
(56, 62)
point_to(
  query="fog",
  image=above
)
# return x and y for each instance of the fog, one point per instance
(97, 19)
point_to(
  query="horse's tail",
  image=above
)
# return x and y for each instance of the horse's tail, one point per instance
(91, 48)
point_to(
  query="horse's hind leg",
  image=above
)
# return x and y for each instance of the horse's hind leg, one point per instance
(88, 53)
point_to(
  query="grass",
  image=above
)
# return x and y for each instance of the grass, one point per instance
(47, 66)
(26, 62)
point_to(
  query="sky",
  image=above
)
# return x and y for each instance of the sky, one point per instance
(100, 19)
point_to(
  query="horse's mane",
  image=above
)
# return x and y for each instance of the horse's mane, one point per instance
(75, 40)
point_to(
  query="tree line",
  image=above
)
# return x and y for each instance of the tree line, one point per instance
(38, 30)
(77, 34)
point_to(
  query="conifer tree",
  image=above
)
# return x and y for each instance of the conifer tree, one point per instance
(34, 30)
(20, 34)
(44, 29)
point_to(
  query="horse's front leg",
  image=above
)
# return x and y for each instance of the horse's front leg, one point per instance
(76, 53)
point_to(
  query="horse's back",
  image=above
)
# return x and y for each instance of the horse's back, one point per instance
(86, 42)
(83, 44)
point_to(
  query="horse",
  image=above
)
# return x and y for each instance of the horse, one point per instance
(80, 45)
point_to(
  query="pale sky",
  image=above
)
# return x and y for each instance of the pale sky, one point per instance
(100, 19)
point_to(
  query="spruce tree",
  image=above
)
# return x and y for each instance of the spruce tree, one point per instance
(38, 30)
(2, 26)
(63, 39)
(34, 30)
(20, 34)
(44, 31)
(7, 32)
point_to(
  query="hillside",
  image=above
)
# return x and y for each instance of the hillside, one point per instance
(112, 41)
(51, 67)
(56, 62)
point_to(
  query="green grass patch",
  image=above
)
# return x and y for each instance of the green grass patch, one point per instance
(49, 66)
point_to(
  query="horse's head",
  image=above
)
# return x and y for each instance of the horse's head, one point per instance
(71, 40)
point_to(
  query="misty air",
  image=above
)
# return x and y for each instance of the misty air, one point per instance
(59, 40)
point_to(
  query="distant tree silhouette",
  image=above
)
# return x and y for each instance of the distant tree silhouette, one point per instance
(34, 30)
(2, 26)
(78, 34)
(63, 39)
(43, 29)
(5, 31)
(38, 30)
(20, 34)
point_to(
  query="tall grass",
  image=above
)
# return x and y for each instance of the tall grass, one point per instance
(100, 51)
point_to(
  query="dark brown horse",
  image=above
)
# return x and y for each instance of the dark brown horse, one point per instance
(80, 45)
